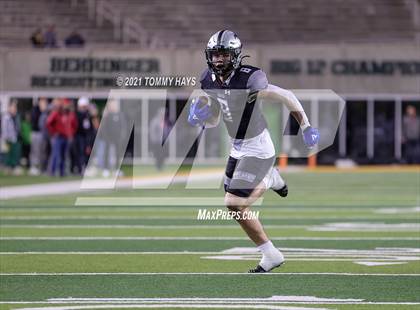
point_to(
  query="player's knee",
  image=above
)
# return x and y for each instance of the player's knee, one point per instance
(234, 203)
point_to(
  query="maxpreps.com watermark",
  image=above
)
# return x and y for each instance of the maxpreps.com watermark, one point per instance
(220, 214)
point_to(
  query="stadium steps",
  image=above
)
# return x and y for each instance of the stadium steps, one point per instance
(19, 19)
(190, 22)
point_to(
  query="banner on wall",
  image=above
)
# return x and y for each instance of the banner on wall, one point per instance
(344, 69)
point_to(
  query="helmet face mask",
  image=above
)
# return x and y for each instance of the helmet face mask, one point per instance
(220, 60)
(223, 52)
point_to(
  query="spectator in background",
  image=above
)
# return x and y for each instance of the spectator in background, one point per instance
(37, 38)
(111, 137)
(45, 147)
(75, 39)
(158, 132)
(94, 115)
(37, 141)
(25, 136)
(10, 135)
(81, 139)
(62, 125)
(50, 37)
(411, 135)
(97, 157)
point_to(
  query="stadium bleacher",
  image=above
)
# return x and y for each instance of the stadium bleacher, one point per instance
(19, 19)
(188, 23)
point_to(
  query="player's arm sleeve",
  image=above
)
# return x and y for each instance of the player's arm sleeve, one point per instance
(288, 98)
(257, 81)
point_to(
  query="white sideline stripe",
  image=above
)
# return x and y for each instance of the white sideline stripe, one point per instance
(407, 227)
(54, 188)
(107, 253)
(365, 227)
(158, 201)
(298, 209)
(163, 305)
(400, 252)
(292, 258)
(268, 300)
(214, 238)
(380, 263)
(268, 303)
(194, 213)
(272, 299)
(398, 210)
(143, 226)
(294, 255)
(207, 273)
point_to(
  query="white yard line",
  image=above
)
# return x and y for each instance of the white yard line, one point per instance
(209, 273)
(293, 252)
(317, 259)
(369, 255)
(68, 187)
(208, 238)
(199, 304)
(171, 305)
(297, 208)
(142, 226)
(366, 226)
(193, 216)
(155, 201)
(329, 227)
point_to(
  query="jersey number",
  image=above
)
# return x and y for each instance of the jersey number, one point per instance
(246, 70)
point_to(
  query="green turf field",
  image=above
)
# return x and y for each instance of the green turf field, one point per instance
(351, 240)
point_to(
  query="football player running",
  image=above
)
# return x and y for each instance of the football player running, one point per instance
(249, 171)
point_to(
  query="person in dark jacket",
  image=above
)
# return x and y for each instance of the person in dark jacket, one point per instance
(75, 39)
(37, 145)
(81, 141)
(37, 38)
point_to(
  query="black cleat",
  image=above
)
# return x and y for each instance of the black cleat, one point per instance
(282, 191)
(257, 269)
(260, 269)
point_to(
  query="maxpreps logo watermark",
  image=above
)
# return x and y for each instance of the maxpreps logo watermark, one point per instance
(154, 122)
(220, 214)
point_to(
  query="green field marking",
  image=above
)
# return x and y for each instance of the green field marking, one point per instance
(186, 262)
(13, 180)
(307, 221)
(316, 199)
(204, 306)
(20, 210)
(186, 212)
(384, 198)
(306, 188)
(186, 231)
(371, 288)
(189, 245)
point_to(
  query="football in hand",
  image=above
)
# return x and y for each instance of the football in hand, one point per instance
(213, 121)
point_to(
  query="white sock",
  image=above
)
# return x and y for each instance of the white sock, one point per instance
(271, 257)
(273, 179)
(266, 247)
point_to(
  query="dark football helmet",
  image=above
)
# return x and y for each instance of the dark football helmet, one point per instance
(224, 41)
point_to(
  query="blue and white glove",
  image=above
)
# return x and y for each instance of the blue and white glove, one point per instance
(310, 136)
(199, 112)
